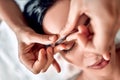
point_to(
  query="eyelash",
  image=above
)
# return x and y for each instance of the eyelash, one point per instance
(69, 50)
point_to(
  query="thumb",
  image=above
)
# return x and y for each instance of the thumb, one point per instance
(73, 17)
(43, 39)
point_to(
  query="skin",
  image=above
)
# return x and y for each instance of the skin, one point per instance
(79, 56)
(105, 17)
(28, 40)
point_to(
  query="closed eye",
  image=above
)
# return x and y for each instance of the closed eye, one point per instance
(69, 49)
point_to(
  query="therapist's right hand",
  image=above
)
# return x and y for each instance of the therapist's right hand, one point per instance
(104, 16)
(32, 52)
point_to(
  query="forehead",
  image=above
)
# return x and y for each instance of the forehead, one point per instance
(55, 18)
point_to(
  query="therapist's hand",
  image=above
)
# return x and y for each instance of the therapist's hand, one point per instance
(32, 52)
(103, 25)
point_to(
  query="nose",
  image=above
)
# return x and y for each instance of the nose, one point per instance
(83, 35)
(83, 31)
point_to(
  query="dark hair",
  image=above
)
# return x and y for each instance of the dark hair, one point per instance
(34, 12)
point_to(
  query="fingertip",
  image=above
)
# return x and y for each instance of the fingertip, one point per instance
(44, 39)
(58, 71)
(53, 38)
(56, 66)
(42, 53)
(49, 50)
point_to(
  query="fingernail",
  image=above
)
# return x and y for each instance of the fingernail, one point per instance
(42, 51)
(58, 71)
(42, 71)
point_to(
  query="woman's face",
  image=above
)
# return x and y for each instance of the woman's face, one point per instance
(54, 21)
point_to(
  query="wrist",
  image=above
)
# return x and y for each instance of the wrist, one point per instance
(17, 27)
(23, 33)
(119, 11)
(22, 30)
(119, 19)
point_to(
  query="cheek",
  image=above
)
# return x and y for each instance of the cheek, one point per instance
(74, 57)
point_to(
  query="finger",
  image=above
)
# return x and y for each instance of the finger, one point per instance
(72, 36)
(43, 39)
(40, 63)
(71, 22)
(56, 65)
(50, 59)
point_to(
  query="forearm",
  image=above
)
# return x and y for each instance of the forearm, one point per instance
(11, 14)
(119, 14)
